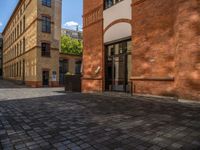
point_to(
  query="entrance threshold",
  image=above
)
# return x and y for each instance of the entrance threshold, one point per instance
(116, 94)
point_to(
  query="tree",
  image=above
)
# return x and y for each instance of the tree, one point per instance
(71, 46)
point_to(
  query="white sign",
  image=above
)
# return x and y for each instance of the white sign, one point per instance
(54, 76)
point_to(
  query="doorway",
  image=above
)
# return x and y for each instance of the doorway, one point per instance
(45, 78)
(118, 66)
(63, 69)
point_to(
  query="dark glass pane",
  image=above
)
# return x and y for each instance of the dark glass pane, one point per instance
(110, 3)
(46, 3)
(46, 24)
(78, 67)
(45, 49)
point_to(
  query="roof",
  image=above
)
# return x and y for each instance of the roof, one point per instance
(19, 2)
(72, 30)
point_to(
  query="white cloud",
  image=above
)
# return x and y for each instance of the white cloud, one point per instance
(71, 24)
(1, 24)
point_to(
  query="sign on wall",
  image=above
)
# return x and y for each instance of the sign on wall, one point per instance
(54, 76)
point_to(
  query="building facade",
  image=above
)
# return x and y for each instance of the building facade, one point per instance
(75, 34)
(32, 42)
(142, 46)
(1, 55)
(69, 64)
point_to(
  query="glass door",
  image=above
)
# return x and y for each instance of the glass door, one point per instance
(117, 67)
(119, 75)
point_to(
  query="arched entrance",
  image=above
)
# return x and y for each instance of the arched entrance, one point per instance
(118, 59)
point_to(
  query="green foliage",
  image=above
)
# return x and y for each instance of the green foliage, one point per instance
(71, 46)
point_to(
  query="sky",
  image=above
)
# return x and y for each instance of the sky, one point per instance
(71, 13)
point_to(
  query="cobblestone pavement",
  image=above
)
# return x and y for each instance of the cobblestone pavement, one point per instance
(89, 122)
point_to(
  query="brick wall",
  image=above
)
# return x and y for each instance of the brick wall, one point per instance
(93, 46)
(166, 47)
(188, 49)
(154, 46)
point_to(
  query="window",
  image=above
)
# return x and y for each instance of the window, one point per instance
(24, 23)
(20, 47)
(24, 45)
(46, 24)
(17, 71)
(17, 30)
(64, 66)
(24, 7)
(15, 33)
(21, 11)
(17, 49)
(46, 3)
(78, 67)
(20, 69)
(46, 49)
(20, 27)
(110, 3)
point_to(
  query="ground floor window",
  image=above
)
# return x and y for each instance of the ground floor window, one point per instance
(78, 67)
(63, 69)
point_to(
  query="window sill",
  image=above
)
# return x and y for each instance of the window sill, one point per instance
(46, 56)
(46, 32)
(46, 6)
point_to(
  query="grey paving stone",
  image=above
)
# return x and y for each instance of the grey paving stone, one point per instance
(176, 145)
(49, 119)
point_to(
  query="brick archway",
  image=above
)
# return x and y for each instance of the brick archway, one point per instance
(116, 22)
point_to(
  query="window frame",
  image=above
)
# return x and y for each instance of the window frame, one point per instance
(46, 3)
(114, 2)
(47, 51)
(46, 24)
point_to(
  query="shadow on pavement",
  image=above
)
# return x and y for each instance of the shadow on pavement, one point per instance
(85, 121)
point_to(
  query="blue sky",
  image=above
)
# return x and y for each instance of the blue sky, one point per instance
(71, 12)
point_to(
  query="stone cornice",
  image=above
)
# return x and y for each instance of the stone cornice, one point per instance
(93, 16)
(55, 49)
(15, 10)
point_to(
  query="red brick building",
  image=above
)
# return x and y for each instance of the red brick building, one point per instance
(142, 46)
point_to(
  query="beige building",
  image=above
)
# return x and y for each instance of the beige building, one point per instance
(75, 34)
(69, 64)
(1, 58)
(32, 43)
